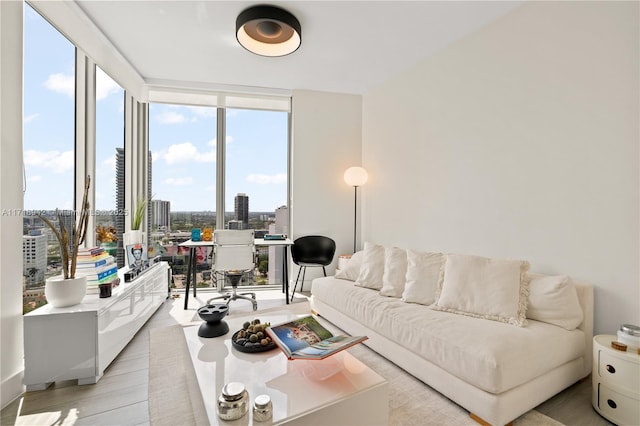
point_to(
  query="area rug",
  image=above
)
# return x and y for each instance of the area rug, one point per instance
(174, 396)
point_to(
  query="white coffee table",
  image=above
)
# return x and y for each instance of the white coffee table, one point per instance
(339, 390)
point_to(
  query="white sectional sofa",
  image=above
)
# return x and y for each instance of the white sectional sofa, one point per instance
(491, 364)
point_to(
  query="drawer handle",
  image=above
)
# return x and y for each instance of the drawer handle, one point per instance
(610, 368)
(612, 403)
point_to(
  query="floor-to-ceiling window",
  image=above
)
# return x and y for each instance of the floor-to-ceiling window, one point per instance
(182, 142)
(49, 108)
(184, 145)
(256, 181)
(109, 217)
(74, 125)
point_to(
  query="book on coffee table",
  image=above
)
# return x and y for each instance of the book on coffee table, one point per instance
(306, 338)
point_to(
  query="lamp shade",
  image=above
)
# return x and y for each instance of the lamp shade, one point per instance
(355, 176)
(268, 31)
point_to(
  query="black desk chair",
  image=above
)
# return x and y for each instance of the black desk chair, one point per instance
(311, 251)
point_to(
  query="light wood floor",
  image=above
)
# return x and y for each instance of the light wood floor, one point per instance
(121, 396)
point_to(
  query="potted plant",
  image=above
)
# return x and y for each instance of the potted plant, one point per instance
(67, 290)
(138, 214)
(135, 236)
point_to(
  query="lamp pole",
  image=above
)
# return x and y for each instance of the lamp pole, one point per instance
(355, 176)
(355, 215)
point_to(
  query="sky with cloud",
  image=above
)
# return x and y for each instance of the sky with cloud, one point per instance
(182, 139)
(183, 144)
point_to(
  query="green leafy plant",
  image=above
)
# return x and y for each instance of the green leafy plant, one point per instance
(138, 214)
(69, 252)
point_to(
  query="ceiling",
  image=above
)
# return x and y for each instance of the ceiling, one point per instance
(347, 46)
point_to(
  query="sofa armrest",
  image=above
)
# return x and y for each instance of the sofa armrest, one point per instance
(585, 296)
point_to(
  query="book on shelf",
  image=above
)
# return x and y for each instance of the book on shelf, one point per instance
(275, 237)
(98, 273)
(94, 282)
(94, 263)
(306, 338)
(96, 256)
(90, 251)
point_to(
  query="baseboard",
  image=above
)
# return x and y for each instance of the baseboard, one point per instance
(12, 388)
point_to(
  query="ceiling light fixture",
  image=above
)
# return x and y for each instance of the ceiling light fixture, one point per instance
(268, 31)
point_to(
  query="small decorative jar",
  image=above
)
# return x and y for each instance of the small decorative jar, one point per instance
(105, 290)
(195, 234)
(629, 335)
(233, 401)
(262, 408)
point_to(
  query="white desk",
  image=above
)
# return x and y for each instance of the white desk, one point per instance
(191, 268)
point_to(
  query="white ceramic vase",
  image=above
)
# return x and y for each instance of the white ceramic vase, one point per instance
(61, 293)
(133, 237)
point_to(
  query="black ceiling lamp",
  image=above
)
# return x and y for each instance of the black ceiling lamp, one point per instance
(268, 31)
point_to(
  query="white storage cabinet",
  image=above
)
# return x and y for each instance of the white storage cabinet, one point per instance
(616, 382)
(79, 342)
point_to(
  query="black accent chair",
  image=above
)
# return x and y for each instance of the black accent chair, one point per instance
(311, 251)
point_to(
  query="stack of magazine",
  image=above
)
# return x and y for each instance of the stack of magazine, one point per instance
(306, 338)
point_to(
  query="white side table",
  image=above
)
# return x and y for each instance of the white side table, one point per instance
(616, 382)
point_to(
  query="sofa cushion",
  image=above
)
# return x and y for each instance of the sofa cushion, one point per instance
(372, 268)
(493, 289)
(423, 274)
(554, 300)
(490, 355)
(352, 269)
(395, 271)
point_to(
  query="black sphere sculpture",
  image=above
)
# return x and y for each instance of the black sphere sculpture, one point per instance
(213, 315)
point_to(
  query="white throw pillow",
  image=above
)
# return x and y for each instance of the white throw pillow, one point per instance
(423, 275)
(493, 289)
(395, 271)
(554, 300)
(352, 268)
(372, 267)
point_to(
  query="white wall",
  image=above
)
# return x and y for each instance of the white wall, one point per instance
(11, 347)
(519, 141)
(326, 140)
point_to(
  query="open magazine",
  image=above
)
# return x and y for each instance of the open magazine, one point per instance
(305, 338)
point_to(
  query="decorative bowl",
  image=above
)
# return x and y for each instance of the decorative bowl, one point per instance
(249, 347)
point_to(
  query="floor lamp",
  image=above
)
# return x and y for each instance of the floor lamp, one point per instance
(355, 176)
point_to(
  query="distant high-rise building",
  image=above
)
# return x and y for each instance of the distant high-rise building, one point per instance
(282, 220)
(68, 219)
(242, 209)
(120, 217)
(280, 226)
(149, 195)
(161, 214)
(34, 256)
